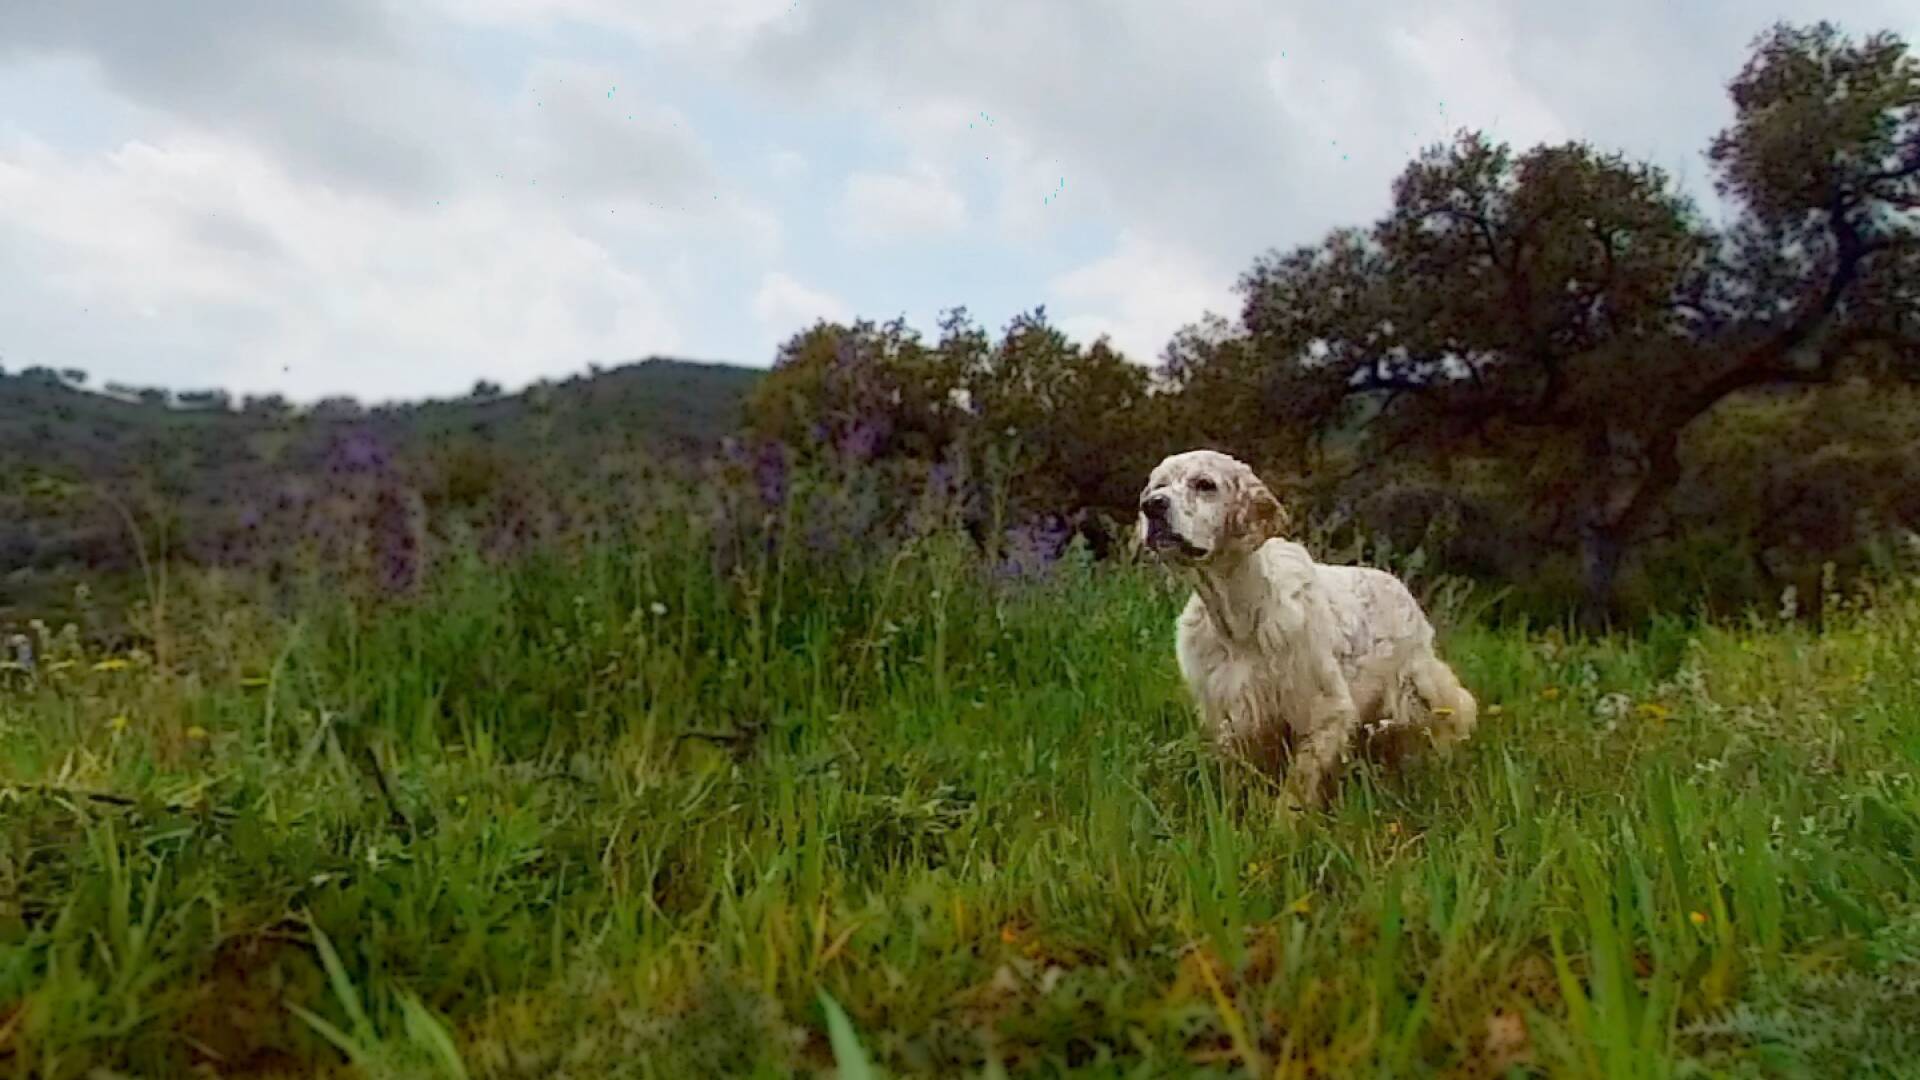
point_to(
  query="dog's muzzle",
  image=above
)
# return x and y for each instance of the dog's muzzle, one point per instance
(1160, 534)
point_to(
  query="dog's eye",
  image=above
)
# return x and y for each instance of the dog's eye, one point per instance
(1204, 484)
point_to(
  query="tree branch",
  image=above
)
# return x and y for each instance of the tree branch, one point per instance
(1479, 222)
(1909, 167)
(1769, 364)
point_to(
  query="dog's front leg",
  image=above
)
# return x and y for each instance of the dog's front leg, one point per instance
(1451, 711)
(1319, 745)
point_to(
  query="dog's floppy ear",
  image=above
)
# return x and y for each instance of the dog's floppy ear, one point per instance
(1257, 514)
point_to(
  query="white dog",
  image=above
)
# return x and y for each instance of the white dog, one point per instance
(1284, 655)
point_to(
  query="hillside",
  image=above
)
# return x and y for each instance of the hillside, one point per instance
(71, 459)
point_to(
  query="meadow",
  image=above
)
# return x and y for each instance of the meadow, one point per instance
(618, 809)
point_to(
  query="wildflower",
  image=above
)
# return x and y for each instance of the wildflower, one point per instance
(861, 439)
(1034, 547)
(196, 733)
(21, 647)
(1303, 905)
(770, 473)
(1495, 710)
(357, 451)
(1008, 935)
(1393, 828)
(113, 663)
(941, 478)
(397, 528)
(1654, 711)
(659, 609)
(117, 725)
(1698, 918)
(1551, 693)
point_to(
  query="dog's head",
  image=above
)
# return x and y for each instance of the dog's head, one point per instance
(1202, 504)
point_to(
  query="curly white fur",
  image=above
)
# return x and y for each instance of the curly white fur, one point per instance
(1285, 656)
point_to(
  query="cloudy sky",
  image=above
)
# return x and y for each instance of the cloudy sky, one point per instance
(394, 198)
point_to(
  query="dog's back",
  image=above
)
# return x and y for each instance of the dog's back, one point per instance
(1384, 644)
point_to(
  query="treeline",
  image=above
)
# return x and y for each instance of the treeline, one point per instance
(1547, 365)
(266, 406)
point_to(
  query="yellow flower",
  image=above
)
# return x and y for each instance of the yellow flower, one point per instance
(1551, 693)
(1302, 905)
(117, 725)
(1698, 918)
(1393, 828)
(1008, 934)
(112, 663)
(1654, 711)
(196, 732)
(1494, 710)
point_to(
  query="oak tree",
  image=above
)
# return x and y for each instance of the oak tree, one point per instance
(1569, 312)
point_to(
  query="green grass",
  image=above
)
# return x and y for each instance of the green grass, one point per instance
(614, 815)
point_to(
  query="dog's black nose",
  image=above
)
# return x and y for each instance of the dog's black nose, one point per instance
(1155, 506)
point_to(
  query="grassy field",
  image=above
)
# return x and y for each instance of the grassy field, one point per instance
(619, 816)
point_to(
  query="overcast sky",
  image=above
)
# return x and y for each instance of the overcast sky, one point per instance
(394, 198)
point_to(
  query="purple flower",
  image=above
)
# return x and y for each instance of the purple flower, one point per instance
(357, 451)
(860, 440)
(940, 477)
(396, 536)
(770, 473)
(1033, 547)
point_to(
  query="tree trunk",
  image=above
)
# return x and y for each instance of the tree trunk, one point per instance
(1633, 476)
(1603, 547)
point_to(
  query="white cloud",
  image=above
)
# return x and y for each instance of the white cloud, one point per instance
(786, 165)
(888, 207)
(677, 22)
(785, 306)
(208, 261)
(1469, 57)
(1138, 295)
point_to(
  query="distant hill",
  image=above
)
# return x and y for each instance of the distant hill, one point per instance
(674, 405)
(68, 453)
